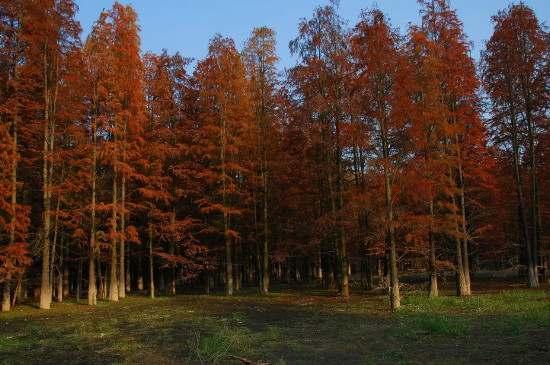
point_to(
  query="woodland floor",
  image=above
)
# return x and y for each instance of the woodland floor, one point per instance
(502, 323)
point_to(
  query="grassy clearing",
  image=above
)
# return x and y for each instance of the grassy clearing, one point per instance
(284, 328)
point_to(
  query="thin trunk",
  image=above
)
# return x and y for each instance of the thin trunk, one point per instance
(432, 290)
(54, 241)
(228, 264)
(533, 166)
(66, 274)
(17, 296)
(151, 273)
(140, 272)
(101, 277)
(79, 281)
(45, 295)
(464, 241)
(127, 265)
(226, 217)
(461, 284)
(92, 282)
(344, 263)
(532, 279)
(60, 272)
(92, 286)
(113, 283)
(172, 284)
(395, 299)
(238, 267)
(265, 248)
(13, 217)
(121, 266)
(334, 267)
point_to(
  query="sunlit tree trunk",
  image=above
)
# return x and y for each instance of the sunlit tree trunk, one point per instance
(113, 283)
(6, 298)
(93, 250)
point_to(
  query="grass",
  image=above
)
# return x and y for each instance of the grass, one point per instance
(284, 328)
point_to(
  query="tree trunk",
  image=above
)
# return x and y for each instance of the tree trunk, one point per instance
(265, 248)
(533, 166)
(127, 268)
(172, 284)
(79, 281)
(17, 295)
(151, 272)
(54, 241)
(121, 266)
(101, 278)
(66, 275)
(432, 290)
(113, 283)
(464, 241)
(395, 299)
(60, 272)
(228, 265)
(238, 267)
(6, 299)
(140, 272)
(532, 279)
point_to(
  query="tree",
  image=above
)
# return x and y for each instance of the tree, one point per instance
(118, 107)
(456, 123)
(318, 83)
(260, 59)
(51, 37)
(380, 66)
(14, 255)
(515, 66)
(226, 129)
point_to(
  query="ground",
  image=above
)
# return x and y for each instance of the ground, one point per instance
(502, 323)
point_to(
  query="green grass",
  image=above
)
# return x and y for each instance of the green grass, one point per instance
(283, 328)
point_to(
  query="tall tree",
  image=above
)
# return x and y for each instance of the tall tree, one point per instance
(51, 35)
(14, 255)
(260, 60)
(515, 72)
(226, 131)
(114, 47)
(380, 66)
(318, 81)
(463, 135)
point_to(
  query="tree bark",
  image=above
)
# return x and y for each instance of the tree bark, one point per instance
(45, 295)
(113, 283)
(121, 266)
(433, 289)
(60, 272)
(151, 272)
(6, 299)
(140, 271)
(92, 282)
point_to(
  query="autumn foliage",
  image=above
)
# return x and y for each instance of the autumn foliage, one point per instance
(377, 153)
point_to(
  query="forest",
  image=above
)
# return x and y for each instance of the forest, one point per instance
(381, 153)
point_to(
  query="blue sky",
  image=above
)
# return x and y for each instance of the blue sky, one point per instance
(187, 25)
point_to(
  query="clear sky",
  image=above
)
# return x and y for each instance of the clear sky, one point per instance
(186, 26)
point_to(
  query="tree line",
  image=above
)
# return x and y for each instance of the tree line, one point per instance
(377, 153)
